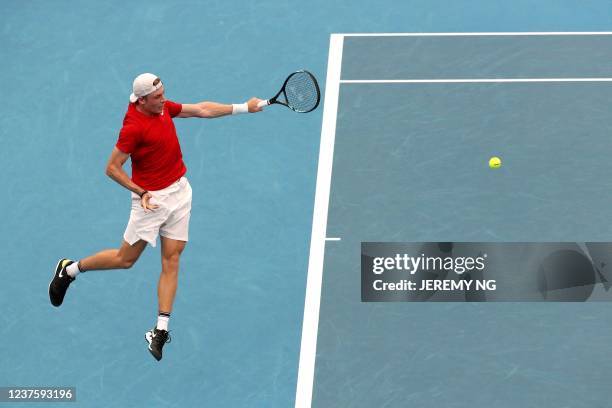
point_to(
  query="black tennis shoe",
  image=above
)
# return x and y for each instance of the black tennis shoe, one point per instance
(156, 339)
(60, 282)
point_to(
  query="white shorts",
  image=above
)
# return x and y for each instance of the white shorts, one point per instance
(170, 219)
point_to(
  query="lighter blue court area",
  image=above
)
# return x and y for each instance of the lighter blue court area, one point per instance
(419, 151)
(411, 165)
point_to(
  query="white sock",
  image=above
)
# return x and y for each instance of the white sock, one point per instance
(162, 321)
(73, 269)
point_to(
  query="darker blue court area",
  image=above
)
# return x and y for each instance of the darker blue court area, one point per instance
(411, 165)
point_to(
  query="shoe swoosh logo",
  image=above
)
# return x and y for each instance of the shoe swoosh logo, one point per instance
(62, 274)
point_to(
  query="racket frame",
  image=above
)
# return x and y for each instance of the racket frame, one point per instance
(274, 99)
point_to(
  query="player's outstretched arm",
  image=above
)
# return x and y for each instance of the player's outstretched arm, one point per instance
(211, 110)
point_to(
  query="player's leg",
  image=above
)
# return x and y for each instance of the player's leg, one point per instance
(66, 269)
(168, 280)
(123, 258)
(166, 290)
(174, 234)
(142, 228)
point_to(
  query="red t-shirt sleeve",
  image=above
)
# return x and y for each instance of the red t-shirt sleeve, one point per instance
(174, 108)
(128, 138)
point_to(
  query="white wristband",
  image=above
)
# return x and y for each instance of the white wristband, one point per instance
(240, 108)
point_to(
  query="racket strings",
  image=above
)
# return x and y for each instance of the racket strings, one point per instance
(301, 92)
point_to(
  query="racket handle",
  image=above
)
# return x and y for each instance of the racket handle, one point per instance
(261, 104)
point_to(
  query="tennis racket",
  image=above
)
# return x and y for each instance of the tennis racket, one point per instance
(300, 93)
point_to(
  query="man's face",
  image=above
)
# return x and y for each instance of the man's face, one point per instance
(153, 103)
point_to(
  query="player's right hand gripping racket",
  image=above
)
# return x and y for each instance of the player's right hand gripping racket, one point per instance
(300, 93)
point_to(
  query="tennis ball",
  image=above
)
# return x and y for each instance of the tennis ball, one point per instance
(494, 162)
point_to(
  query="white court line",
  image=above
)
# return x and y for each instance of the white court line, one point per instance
(310, 325)
(468, 80)
(333, 239)
(541, 33)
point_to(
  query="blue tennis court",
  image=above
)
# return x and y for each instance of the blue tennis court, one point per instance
(412, 121)
(244, 331)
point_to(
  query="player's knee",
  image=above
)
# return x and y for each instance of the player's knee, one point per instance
(171, 260)
(126, 263)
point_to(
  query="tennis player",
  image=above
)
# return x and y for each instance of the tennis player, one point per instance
(161, 194)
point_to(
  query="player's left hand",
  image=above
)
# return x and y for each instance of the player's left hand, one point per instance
(144, 202)
(252, 103)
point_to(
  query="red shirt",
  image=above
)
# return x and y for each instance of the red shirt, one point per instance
(151, 141)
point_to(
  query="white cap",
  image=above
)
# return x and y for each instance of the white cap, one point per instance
(144, 84)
